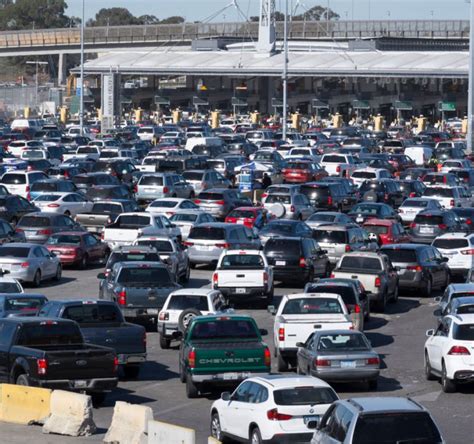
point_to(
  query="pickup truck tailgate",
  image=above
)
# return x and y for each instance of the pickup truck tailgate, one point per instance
(124, 339)
(146, 297)
(367, 280)
(120, 236)
(240, 278)
(217, 357)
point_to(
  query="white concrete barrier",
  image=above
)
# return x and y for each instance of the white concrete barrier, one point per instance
(71, 414)
(212, 440)
(162, 432)
(129, 424)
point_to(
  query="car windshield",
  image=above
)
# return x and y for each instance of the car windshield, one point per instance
(224, 329)
(183, 302)
(69, 239)
(23, 303)
(361, 263)
(242, 261)
(144, 276)
(342, 342)
(396, 428)
(162, 246)
(50, 333)
(400, 255)
(305, 396)
(330, 236)
(164, 204)
(312, 305)
(183, 217)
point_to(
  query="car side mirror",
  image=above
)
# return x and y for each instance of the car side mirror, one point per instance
(101, 276)
(444, 260)
(225, 396)
(272, 310)
(430, 332)
(437, 299)
(173, 225)
(263, 331)
(312, 425)
(300, 344)
(397, 268)
(438, 312)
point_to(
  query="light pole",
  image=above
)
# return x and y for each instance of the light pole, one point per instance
(285, 71)
(37, 63)
(470, 100)
(81, 92)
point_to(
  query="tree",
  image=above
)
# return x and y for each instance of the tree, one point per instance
(113, 17)
(148, 19)
(26, 14)
(316, 13)
(173, 20)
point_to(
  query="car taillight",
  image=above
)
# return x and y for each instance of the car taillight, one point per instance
(322, 362)
(25, 264)
(122, 298)
(164, 316)
(192, 359)
(418, 268)
(215, 279)
(413, 225)
(274, 415)
(116, 364)
(332, 276)
(281, 334)
(135, 188)
(42, 365)
(329, 200)
(267, 357)
(357, 308)
(53, 205)
(47, 232)
(219, 202)
(265, 278)
(197, 201)
(347, 249)
(469, 221)
(451, 202)
(338, 169)
(386, 196)
(412, 194)
(225, 245)
(469, 252)
(442, 226)
(292, 209)
(264, 195)
(188, 244)
(302, 262)
(166, 190)
(378, 282)
(458, 350)
(373, 361)
(102, 236)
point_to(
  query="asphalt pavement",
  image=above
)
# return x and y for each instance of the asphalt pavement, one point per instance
(398, 336)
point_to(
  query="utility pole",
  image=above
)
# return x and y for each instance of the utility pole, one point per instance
(470, 100)
(81, 92)
(37, 63)
(285, 71)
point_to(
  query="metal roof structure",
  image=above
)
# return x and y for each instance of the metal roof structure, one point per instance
(317, 61)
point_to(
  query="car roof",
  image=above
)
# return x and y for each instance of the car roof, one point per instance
(383, 222)
(404, 247)
(23, 295)
(334, 282)
(140, 264)
(458, 235)
(193, 292)
(288, 381)
(313, 295)
(463, 300)
(458, 288)
(132, 248)
(385, 403)
(463, 318)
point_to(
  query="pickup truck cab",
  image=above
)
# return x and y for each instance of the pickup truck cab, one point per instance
(51, 353)
(102, 323)
(299, 315)
(337, 164)
(221, 350)
(243, 274)
(376, 273)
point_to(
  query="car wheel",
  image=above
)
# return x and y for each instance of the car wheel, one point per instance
(59, 273)
(282, 364)
(131, 371)
(255, 436)
(448, 279)
(216, 431)
(380, 305)
(37, 279)
(373, 384)
(22, 380)
(83, 262)
(67, 213)
(394, 298)
(448, 385)
(327, 272)
(428, 374)
(182, 373)
(310, 276)
(164, 343)
(192, 390)
(429, 287)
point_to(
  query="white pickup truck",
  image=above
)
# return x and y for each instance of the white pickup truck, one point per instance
(128, 227)
(376, 273)
(243, 274)
(84, 152)
(298, 315)
(337, 164)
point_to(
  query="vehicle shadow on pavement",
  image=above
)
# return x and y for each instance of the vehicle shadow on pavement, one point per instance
(121, 394)
(404, 305)
(374, 323)
(197, 283)
(379, 339)
(384, 385)
(51, 283)
(153, 371)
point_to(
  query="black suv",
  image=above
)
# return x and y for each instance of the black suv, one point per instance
(121, 169)
(109, 192)
(430, 224)
(296, 259)
(85, 181)
(382, 190)
(327, 196)
(411, 188)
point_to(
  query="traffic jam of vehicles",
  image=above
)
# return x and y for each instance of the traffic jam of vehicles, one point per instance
(346, 219)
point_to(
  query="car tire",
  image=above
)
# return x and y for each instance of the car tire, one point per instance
(394, 298)
(380, 304)
(448, 279)
(164, 343)
(98, 398)
(373, 384)
(192, 390)
(429, 288)
(182, 373)
(282, 364)
(448, 385)
(59, 273)
(216, 431)
(83, 262)
(428, 373)
(187, 275)
(37, 279)
(255, 436)
(22, 380)
(131, 371)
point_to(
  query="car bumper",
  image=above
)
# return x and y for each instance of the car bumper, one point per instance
(466, 376)
(87, 385)
(422, 239)
(23, 275)
(459, 271)
(204, 257)
(242, 292)
(374, 296)
(288, 353)
(36, 239)
(290, 274)
(289, 438)
(346, 375)
(134, 358)
(411, 280)
(225, 378)
(143, 313)
(167, 329)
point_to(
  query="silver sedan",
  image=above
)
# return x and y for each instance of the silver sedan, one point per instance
(339, 356)
(30, 263)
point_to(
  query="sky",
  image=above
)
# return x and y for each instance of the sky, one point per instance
(194, 10)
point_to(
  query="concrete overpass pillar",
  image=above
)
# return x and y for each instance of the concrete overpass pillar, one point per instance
(62, 69)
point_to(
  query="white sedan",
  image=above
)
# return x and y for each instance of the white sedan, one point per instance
(264, 408)
(69, 204)
(169, 206)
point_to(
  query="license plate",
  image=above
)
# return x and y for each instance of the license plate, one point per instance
(426, 230)
(152, 311)
(56, 252)
(280, 263)
(359, 219)
(240, 222)
(348, 364)
(240, 290)
(230, 376)
(203, 247)
(80, 383)
(308, 419)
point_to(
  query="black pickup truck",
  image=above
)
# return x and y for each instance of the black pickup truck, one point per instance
(102, 323)
(51, 353)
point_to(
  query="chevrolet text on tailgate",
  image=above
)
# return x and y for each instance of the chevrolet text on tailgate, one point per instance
(221, 350)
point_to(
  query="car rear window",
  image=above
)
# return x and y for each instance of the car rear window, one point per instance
(207, 233)
(211, 196)
(224, 329)
(164, 204)
(185, 217)
(376, 229)
(134, 221)
(361, 263)
(386, 427)
(162, 246)
(339, 342)
(286, 247)
(400, 255)
(144, 277)
(93, 314)
(132, 257)
(330, 236)
(451, 244)
(428, 219)
(183, 302)
(9, 287)
(29, 221)
(334, 159)
(278, 198)
(310, 190)
(49, 333)
(14, 179)
(192, 175)
(415, 203)
(14, 252)
(44, 186)
(70, 239)
(364, 174)
(346, 292)
(312, 305)
(441, 192)
(23, 303)
(106, 208)
(151, 180)
(305, 396)
(321, 218)
(247, 214)
(47, 198)
(242, 261)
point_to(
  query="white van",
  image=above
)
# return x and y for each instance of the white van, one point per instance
(191, 142)
(421, 155)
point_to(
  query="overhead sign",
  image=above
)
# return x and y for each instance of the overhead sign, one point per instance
(319, 104)
(198, 101)
(403, 106)
(447, 106)
(160, 100)
(360, 104)
(239, 102)
(277, 103)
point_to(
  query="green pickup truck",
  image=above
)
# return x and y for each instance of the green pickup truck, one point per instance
(221, 350)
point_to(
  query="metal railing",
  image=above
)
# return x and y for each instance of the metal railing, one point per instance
(186, 32)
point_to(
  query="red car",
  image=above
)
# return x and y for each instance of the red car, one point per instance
(77, 248)
(246, 216)
(301, 171)
(386, 231)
